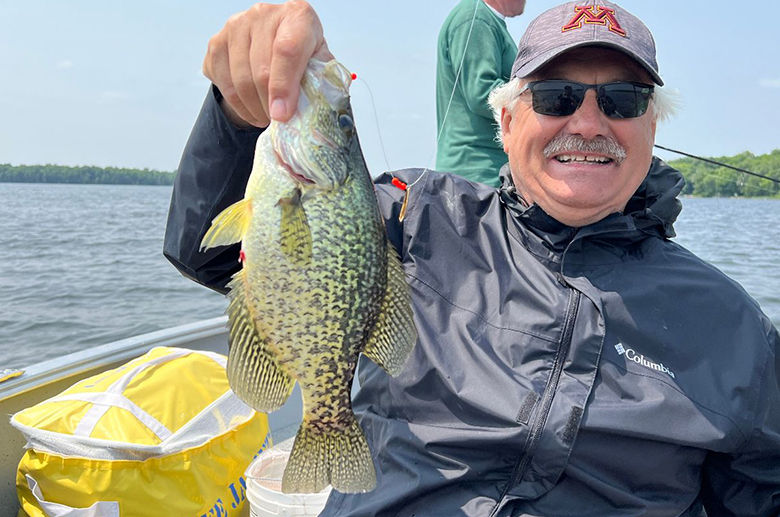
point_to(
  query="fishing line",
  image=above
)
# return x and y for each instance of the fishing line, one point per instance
(376, 119)
(718, 163)
(452, 94)
(743, 171)
(397, 182)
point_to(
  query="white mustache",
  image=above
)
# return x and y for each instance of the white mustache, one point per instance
(568, 143)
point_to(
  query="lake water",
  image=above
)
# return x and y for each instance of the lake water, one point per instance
(82, 265)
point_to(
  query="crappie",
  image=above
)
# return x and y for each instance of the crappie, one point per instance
(319, 285)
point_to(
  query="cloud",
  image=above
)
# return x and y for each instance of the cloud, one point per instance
(110, 96)
(64, 64)
(770, 83)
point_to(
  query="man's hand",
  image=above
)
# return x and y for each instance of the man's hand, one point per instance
(258, 59)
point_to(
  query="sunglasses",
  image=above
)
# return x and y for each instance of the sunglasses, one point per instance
(561, 98)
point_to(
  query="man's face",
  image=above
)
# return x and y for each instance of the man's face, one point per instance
(574, 192)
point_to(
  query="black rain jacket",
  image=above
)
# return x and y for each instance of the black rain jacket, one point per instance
(595, 371)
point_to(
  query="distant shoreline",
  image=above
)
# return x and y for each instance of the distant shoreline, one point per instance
(2, 182)
(701, 179)
(704, 179)
(84, 175)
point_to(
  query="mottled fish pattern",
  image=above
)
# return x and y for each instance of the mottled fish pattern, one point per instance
(319, 285)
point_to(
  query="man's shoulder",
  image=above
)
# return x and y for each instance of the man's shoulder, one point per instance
(702, 276)
(463, 13)
(450, 196)
(431, 184)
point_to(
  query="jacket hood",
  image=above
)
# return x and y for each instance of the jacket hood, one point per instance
(653, 208)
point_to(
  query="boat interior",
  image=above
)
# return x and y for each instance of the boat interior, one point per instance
(44, 380)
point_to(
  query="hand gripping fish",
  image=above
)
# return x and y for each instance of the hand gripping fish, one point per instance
(319, 285)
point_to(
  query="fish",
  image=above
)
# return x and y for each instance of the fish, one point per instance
(320, 283)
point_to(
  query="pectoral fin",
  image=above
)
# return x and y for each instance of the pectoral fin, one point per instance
(229, 226)
(295, 233)
(252, 370)
(394, 333)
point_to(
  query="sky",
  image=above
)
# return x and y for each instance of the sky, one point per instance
(119, 83)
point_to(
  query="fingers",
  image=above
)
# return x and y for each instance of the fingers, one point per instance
(298, 37)
(260, 62)
(242, 77)
(216, 67)
(258, 59)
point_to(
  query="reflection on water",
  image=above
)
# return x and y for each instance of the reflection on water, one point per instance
(82, 265)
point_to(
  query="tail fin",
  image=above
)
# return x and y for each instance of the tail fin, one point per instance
(341, 459)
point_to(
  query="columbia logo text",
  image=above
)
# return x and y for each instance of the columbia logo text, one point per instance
(640, 359)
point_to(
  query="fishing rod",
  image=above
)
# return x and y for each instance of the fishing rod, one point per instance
(718, 163)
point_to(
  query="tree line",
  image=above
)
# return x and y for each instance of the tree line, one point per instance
(85, 174)
(702, 179)
(708, 180)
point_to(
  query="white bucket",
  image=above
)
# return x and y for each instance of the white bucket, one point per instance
(264, 488)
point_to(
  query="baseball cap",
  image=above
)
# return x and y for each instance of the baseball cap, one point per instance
(585, 23)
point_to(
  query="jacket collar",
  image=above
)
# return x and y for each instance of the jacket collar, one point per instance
(652, 209)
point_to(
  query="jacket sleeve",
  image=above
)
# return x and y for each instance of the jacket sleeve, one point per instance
(212, 175)
(747, 483)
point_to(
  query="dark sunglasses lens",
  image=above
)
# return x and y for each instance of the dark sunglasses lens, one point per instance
(556, 98)
(624, 100)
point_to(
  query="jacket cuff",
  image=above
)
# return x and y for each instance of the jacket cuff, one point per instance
(212, 175)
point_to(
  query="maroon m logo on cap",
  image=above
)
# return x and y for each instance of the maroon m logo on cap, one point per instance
(585, 14)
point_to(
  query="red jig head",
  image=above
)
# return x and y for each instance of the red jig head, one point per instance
(398, 183)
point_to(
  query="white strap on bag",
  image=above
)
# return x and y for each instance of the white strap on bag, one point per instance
(102, 402)
(99, 509)
(113, 397)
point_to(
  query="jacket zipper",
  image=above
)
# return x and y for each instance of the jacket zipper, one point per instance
(549, 393)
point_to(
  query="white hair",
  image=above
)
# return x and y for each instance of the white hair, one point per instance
(664, 102)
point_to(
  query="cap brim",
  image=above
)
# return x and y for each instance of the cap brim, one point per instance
(541, 60)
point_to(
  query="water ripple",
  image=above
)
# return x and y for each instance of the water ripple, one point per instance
(83, 264)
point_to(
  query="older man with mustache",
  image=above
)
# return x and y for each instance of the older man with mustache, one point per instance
(572, 359)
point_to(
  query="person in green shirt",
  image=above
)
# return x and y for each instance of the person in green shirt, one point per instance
(467, 144)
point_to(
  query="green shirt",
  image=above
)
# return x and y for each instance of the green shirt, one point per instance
(467, 145)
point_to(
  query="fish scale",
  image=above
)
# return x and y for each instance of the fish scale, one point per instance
(319, 284)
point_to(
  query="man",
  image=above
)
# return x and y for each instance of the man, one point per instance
(571, 360)
(475, 54)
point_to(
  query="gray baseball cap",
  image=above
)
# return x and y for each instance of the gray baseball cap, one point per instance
(585, 23)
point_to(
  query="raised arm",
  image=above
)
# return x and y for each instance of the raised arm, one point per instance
(256, 63)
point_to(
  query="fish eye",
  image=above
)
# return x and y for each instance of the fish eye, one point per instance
(345, 123)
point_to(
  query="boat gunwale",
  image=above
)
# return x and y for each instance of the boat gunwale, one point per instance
(102, 356)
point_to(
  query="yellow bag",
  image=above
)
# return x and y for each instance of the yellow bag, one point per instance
(161, 435)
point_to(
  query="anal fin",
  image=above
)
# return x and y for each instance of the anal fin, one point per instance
(394, 333)
(252, 371)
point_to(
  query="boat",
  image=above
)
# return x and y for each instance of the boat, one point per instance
(39, 382)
